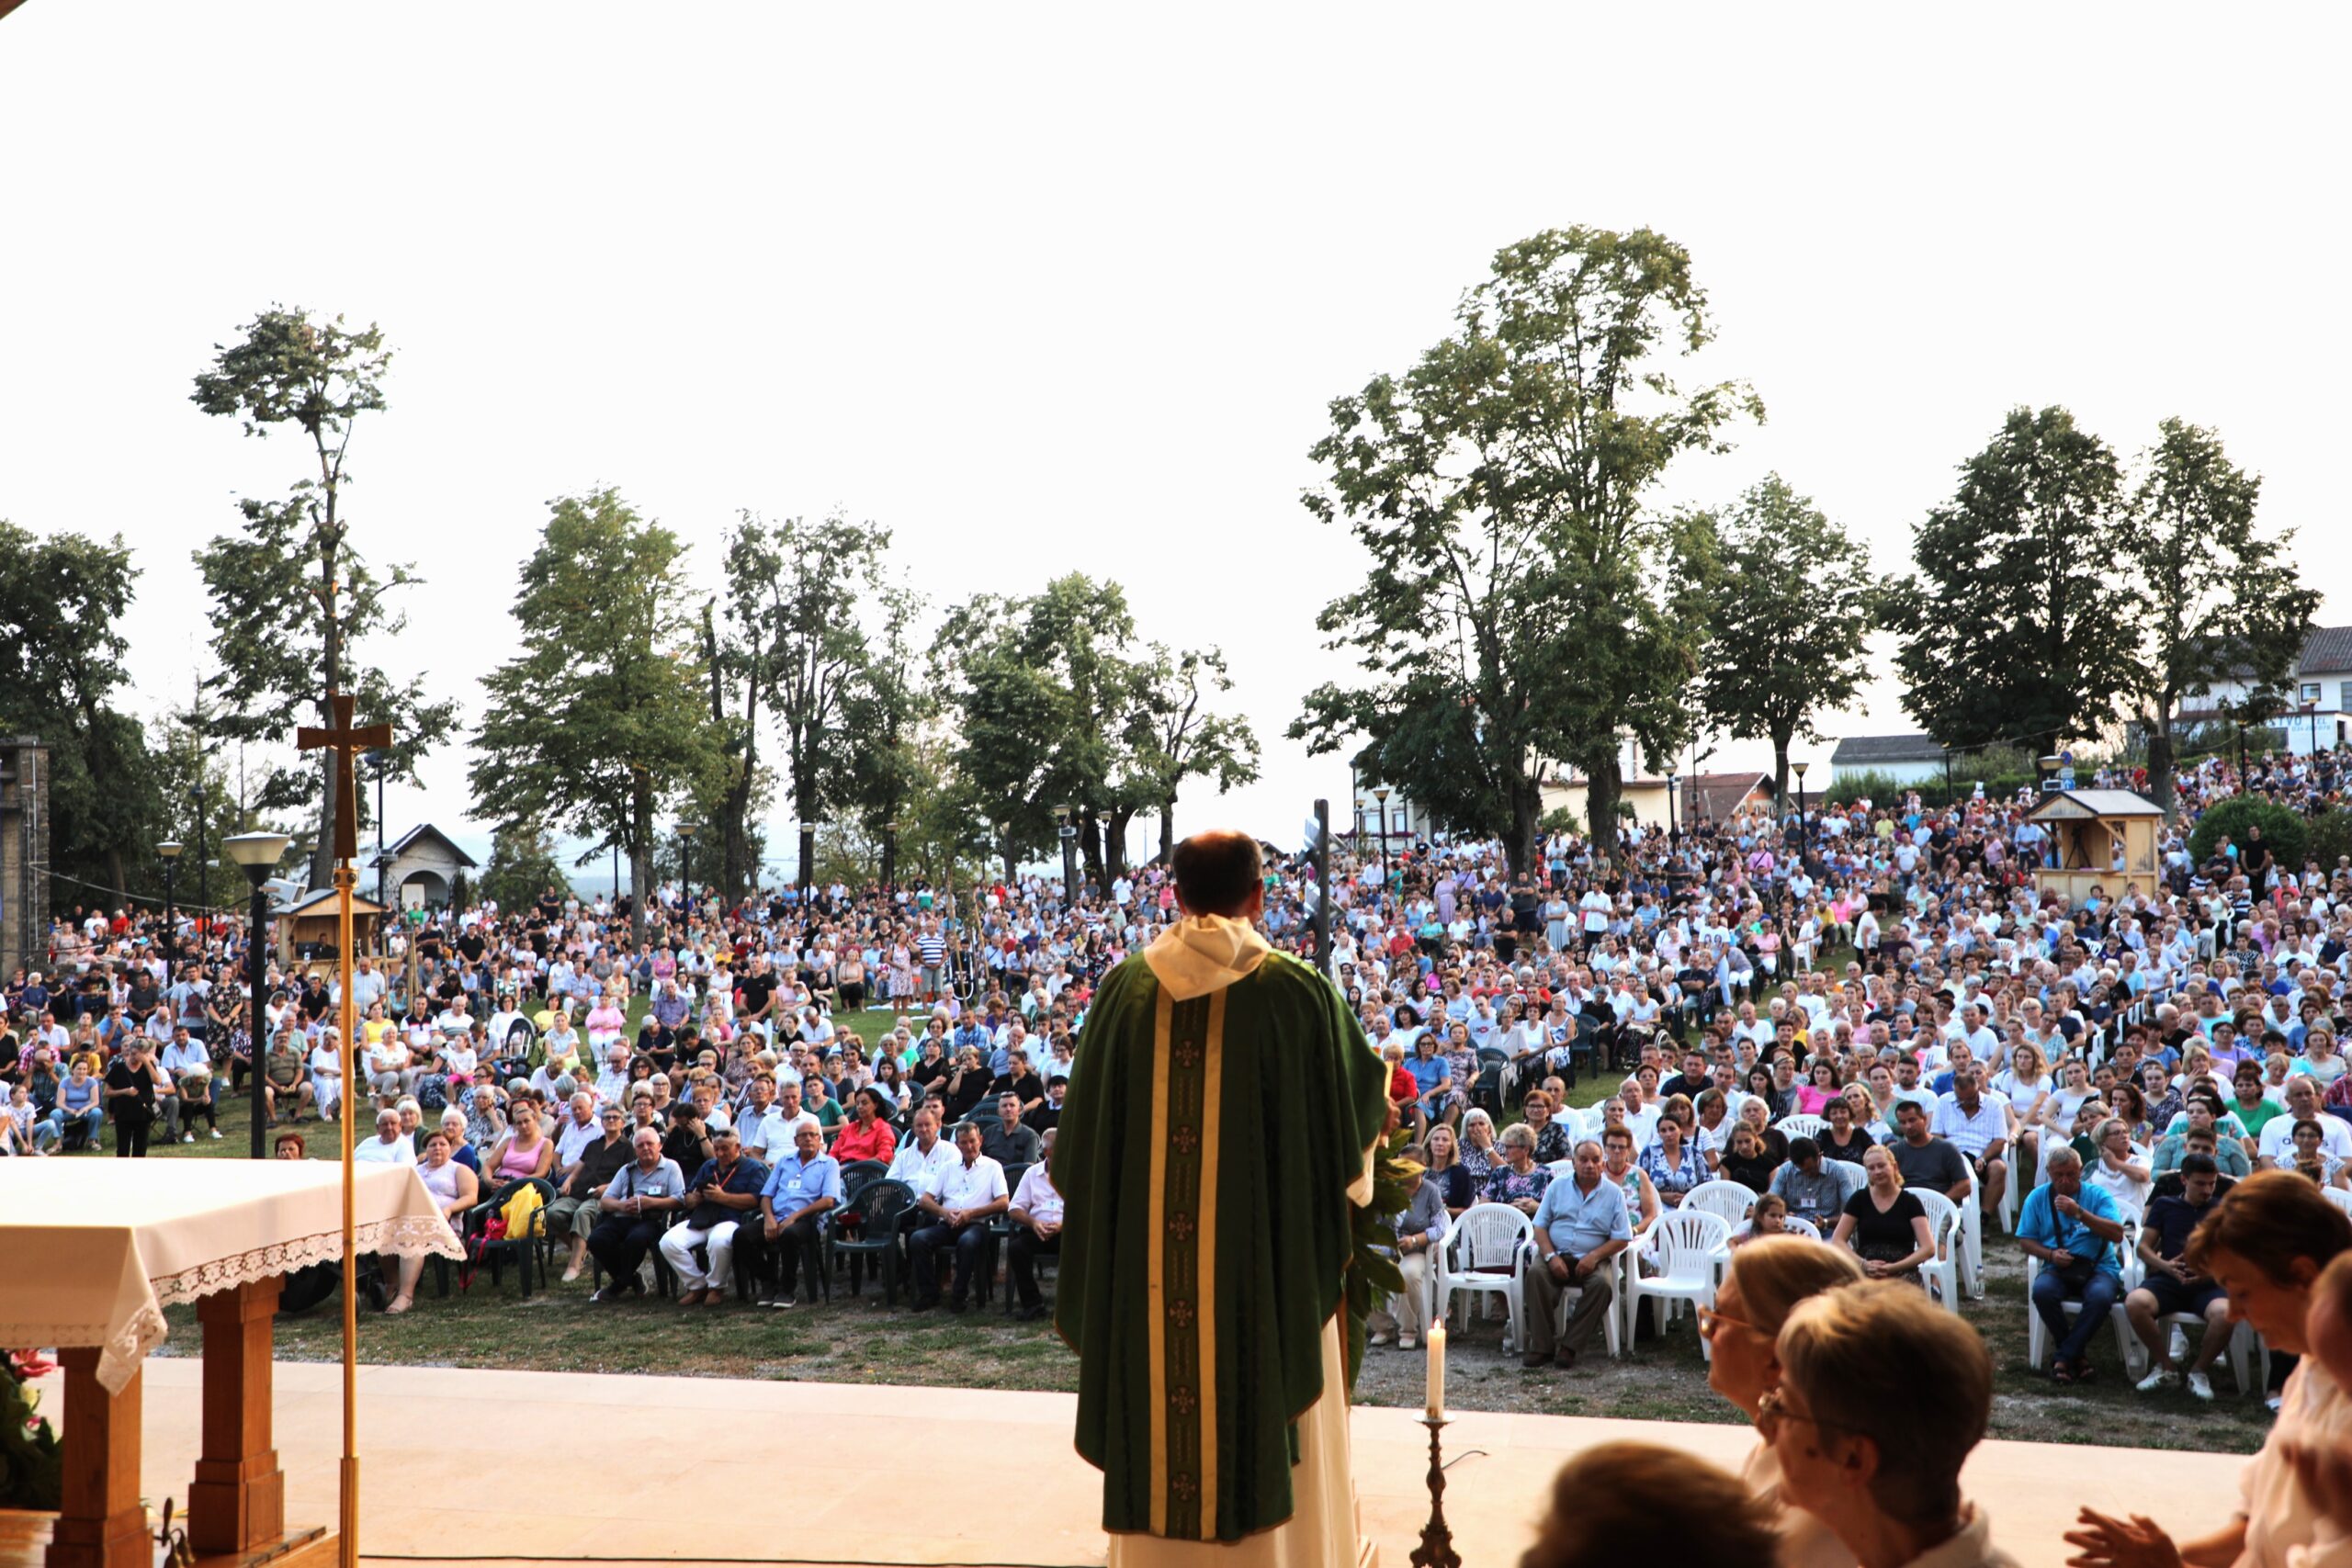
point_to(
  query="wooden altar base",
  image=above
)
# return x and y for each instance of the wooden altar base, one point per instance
(23, 1543)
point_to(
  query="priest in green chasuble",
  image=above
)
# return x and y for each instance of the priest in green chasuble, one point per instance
(1224, 1109)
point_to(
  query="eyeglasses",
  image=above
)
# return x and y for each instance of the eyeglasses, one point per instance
(1710, 1320)
(1773, 1409)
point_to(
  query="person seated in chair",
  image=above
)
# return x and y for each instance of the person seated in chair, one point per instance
(2071, 1226)
(579, 1183)
(803, 1189)
(1008, 1140)
(1036, 1215)
(722, 1194)
(635, 1206)
(1580, 1225)
(955, 1211)
(2175, 1285)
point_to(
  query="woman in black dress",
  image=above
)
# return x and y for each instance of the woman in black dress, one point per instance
(1886, 1227)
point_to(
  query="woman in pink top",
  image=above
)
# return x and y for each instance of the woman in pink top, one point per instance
(525, 1151)
(605, 1024)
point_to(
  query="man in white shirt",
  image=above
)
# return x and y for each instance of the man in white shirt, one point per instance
(963, 1199)
(771, 1131)
(2278, 1144)
(1036, 1229)
(573, 1138)
(925, 1155)
(1977, 1122)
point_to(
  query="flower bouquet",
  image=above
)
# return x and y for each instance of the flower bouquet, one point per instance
(31, 1467)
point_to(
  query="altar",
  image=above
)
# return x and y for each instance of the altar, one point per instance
(97, 1248)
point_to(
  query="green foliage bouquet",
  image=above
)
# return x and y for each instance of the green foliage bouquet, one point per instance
(32, 1466)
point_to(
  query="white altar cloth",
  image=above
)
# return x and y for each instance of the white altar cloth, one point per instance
(91, 1251)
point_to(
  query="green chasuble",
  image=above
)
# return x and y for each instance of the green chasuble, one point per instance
(1221, 1104)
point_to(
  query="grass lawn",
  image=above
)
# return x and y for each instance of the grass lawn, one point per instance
(858, 1339)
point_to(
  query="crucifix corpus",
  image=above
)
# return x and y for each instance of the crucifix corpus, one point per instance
(342, 742)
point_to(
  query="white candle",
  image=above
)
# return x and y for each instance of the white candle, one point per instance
(1437, 1371)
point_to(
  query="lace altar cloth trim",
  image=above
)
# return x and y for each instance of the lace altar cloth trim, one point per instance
(404, 1236)
(122, 1346)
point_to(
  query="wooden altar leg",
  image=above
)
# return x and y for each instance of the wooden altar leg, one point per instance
(237, 1499)
(100, 1523)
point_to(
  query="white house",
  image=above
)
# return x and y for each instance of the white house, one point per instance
(2319, 696)
(422, 868)
(1406, 820)
(1905, 759)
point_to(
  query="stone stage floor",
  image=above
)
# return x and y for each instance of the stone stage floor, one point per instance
(458, 1465)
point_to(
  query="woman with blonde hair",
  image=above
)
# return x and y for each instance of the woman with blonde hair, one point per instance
(1767, 1278)
(1886, 1227)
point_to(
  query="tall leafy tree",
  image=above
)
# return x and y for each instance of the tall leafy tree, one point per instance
(1789, 607)
(2017, 627)
(1524, 602)
(599, 725)
(297, 610)
(64, 601)
(2217, 601)
(1178, 737)
(523, 865)
(1044, 689)
(887, 711)
(796, 590)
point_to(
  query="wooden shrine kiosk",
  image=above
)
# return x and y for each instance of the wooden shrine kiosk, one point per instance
(307, 929)
(2102, 838)
(96, 1250)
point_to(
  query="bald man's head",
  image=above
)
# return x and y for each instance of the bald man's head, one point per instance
(1219, 873)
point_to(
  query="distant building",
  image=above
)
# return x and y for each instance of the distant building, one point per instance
(1905, 759)
(1717, 797)
(422, 868)
(2318, 696)
(1407, 821)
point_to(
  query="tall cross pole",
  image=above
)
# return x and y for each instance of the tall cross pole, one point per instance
(343, 742)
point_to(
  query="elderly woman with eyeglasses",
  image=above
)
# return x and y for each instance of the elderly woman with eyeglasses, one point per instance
(1518, 1180)
(1767, 1279)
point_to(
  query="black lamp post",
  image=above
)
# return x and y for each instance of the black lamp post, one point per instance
(1380, 796)
(169, 851)
(1803, 824)
(1067, 831)
(257, 855)
(890, 856)
(380, 763)
(1673, 827)
(203, 865)
(685, 862)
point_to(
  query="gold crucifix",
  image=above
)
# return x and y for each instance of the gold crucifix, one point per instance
(346, 740)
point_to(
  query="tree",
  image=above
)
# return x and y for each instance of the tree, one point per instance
(1524, 602)
(1788, 608)
(2287, 831)
(64, 601)
(294, 604)
(885, 712)
(1044, 690)
(2216, 602)
(598, 724)
(795, 589)
(1179, 739)
(2017, 625)
(523, 865)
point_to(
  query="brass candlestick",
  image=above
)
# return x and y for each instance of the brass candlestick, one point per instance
(1436, 1550)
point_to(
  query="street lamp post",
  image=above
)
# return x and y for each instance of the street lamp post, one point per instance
(890, 856)
(257, 854)
(1673, 829)
(169, 850)
(685, 862)
(1380, 796)
(1066, 830)
(203, 866)
(1804, 825)
(381, 762)
(2311, 716)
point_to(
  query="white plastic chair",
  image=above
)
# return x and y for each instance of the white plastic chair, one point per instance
(1791, 1225)
(1681, 1251)
(2248, 1357)
(1943, 1272)
(1727, 1200)
(1802, 1125)
(1485, 1251)
(1612, 1328)
(2037, 1336)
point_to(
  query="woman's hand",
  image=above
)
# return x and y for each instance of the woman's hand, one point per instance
(2108, 1542)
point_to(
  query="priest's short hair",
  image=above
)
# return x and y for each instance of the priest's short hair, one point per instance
(1218, 872)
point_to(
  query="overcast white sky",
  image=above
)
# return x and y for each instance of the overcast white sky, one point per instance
(1047, 289)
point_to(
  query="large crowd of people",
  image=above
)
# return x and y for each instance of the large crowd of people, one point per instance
(1860, 1022)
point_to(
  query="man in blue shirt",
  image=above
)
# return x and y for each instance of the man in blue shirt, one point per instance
(804, 1186)
(2071, 1227)
(1579, 1225)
